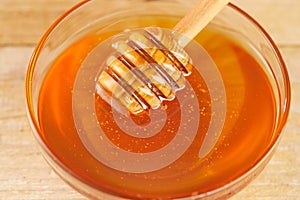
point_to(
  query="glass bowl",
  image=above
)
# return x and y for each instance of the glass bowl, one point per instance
(99, 17)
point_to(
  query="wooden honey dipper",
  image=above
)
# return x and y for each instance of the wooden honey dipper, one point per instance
(149, 67)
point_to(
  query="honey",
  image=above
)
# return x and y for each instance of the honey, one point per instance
(172, 171)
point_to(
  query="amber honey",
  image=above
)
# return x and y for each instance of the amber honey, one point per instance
(245, 136)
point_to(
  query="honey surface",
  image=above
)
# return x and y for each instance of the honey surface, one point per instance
(245, 136)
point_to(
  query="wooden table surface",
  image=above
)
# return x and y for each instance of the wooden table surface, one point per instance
(23, 172)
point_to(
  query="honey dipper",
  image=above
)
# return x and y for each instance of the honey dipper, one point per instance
(149, 67)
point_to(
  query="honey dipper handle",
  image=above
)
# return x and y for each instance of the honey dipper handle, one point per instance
(197, 19)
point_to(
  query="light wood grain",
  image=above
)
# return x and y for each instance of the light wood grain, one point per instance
(23, 172)
(24, 22)
(197, 18)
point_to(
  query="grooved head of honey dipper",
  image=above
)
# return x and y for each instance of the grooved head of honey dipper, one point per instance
(145, 68)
